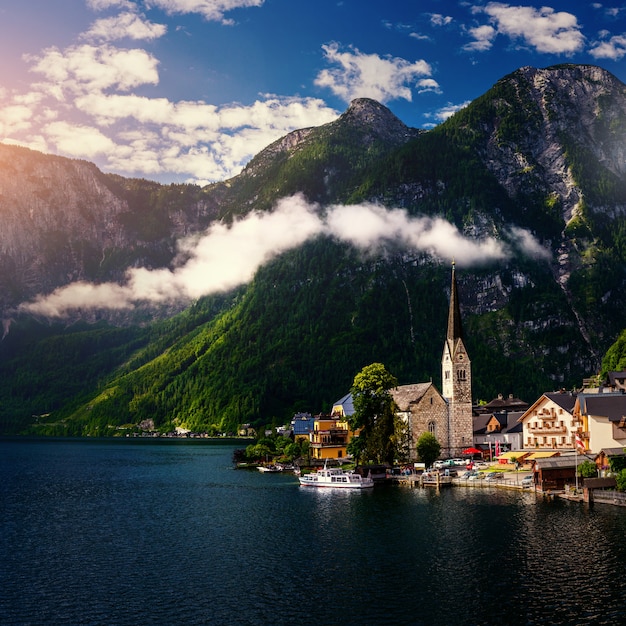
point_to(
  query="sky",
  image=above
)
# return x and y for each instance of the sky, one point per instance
(190, 90)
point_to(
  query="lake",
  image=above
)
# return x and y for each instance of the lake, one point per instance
(130, 532)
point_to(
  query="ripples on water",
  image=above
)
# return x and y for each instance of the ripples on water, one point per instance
(122, 533)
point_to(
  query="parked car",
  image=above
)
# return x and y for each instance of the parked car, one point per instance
(458, 461)
(491, 476)
(527, 481)
(477, 476)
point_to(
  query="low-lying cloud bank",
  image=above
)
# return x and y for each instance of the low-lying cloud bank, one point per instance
(228, 256)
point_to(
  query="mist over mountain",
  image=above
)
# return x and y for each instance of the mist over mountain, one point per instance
(265, 294)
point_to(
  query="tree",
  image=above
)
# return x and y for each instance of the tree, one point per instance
(428, 448)
(587, 469)
(374, 412)
(620, 480)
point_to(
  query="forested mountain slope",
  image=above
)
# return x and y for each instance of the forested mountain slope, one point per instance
(541, 154)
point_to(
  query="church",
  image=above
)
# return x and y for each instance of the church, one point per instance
(448, 415)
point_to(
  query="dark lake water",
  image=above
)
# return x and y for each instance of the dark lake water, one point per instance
(134, 533)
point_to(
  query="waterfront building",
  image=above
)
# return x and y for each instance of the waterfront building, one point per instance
(498, 433)
(329, 437)
(602, 419)
(549, 423)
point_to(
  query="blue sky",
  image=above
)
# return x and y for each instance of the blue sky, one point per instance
(190, 90)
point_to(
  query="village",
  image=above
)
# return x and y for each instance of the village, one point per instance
(547, 441)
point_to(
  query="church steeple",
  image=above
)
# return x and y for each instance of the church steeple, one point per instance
(455, 327)
(456, 374)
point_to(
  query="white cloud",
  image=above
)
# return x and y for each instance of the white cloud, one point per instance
(125, 25)
(86, 105)
(214, 262)
(543, 29)
(483, 36)
(437, 19)
(204, 142)
(360, 75)
(212, 10)
(95, 68)
(614, 48)
(449, 110)
(78, 141)
(101, 5)
(14, 119)
(427, 84)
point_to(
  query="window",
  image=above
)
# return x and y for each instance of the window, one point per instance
(460, 374)
(432, 428)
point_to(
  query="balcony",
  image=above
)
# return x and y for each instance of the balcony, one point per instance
(545, 429)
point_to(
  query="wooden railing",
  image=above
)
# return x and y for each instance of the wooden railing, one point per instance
(610, 497)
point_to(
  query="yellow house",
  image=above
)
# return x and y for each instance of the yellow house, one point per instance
(330, 438)
(602, 419)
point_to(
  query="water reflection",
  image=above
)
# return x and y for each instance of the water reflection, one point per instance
(162, 535)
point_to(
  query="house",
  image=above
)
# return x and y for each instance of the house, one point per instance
(602, 419)
(603, 458)
(497, 433)
(554, 472)
(549, 423)
(616, 381)
(501, 404)
(343, 407)
(302, 426)
(329, 438)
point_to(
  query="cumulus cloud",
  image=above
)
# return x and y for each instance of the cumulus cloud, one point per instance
(212, 10)
(88, 68)
(544, 29)
(437, 19)
(90, 100)
(101, 5)
(86, 105)
(227, 256)
(360, 75)
(125, 25)
(613, 48)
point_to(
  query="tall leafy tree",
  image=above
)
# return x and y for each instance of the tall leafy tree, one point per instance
(428, 448)
(374, 411)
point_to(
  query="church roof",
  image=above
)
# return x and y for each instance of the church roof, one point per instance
(404, 395)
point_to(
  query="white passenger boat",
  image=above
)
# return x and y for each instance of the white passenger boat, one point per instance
(335, 477)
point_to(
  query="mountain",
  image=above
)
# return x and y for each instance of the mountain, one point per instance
(540, 156)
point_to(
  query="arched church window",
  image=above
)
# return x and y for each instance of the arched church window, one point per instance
(432, 428)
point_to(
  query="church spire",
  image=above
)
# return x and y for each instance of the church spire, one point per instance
(455, 328)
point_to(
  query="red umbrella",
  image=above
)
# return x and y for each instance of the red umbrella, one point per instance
(472, 451)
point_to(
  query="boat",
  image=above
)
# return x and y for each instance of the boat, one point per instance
(335, 477)
(270, 468)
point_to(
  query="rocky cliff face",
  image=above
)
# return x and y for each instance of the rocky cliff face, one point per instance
(63, 220)
(552, 139)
